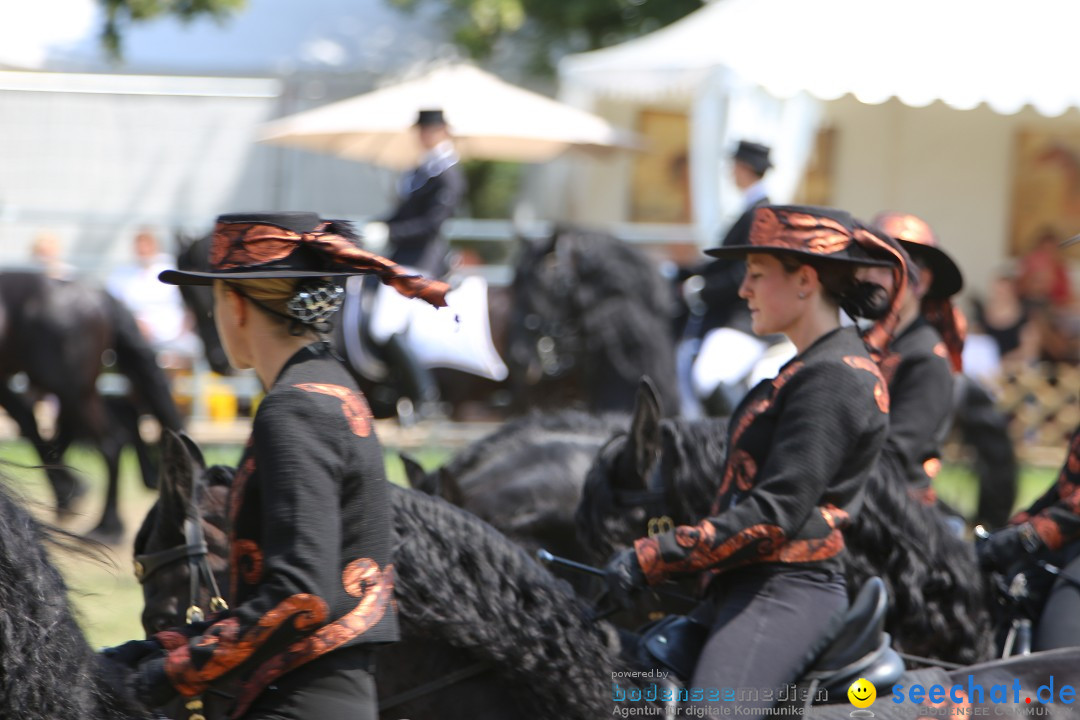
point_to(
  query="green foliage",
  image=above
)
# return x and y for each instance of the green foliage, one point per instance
(121, 13)
(492, 187)
(546, 29)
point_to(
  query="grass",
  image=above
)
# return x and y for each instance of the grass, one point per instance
(107, 598)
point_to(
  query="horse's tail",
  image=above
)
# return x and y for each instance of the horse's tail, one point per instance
(135, 359)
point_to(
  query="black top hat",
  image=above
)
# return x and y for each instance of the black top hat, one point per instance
(919, 240)
(430, 118)
(809, 233)
(753, 154)
(251, 246)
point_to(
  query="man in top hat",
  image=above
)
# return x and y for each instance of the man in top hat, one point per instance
(722, 279)
(430, 193)
(728, 348)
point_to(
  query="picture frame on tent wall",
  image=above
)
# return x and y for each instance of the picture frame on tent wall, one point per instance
(660, 185)
(1046, 188)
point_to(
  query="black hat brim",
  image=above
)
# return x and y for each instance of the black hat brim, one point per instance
(192, 277)
(741, 251)
(948, 280)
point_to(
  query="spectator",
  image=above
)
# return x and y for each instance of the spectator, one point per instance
(1044, 276)
(1003, 316)
(46, 254)
(158, 308)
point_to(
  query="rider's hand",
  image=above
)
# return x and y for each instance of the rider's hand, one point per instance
(132, 652)
(1009, 549)
(624, 578)
(150, 686)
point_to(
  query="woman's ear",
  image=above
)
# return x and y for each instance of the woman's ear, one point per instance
(807, 278)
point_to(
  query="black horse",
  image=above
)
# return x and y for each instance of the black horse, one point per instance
(585, 318)
(671, 469)
(525, 478)
(58, 333)
(591, 316)
(47, 669)
(487, 632)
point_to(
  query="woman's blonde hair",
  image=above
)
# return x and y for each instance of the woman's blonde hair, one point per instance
(271, 296)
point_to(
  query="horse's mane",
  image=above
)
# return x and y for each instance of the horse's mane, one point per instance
(461, 581)
(904, 543)
(47, 669)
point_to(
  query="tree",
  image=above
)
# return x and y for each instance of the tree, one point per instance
(548, 29)
(121, 13)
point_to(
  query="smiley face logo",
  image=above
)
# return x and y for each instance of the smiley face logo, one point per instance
(862, 693)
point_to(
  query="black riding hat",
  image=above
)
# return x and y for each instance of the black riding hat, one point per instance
(915, 235)
(809, 232)
(252, 246)
(753, 154)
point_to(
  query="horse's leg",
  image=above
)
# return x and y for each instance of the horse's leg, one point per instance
(108, 426)
(66, 487)
(110, 528)
(985, 430)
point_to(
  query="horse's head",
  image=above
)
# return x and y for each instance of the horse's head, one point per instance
(659, 474)
(183, 530)
(194, 254)
(544, 331)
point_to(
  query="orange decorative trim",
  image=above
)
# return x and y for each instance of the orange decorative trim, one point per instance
(881, 390)
(798, 231)
(742, 469)
(229, 649)
(906, 227)
(353, 405)
(1048, 531)
(248, 559)
(362, 579)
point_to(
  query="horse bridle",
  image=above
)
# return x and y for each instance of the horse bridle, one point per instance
(652, 498)
(195, 551)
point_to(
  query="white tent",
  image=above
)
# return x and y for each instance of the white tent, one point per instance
(890, 74)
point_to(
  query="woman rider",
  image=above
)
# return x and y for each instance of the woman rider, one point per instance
(311, 574)
(800, 448)
(924, 356)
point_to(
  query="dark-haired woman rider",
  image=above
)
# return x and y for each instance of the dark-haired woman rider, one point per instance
(800, 448)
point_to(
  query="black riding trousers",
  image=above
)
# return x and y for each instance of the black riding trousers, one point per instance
(767, 620)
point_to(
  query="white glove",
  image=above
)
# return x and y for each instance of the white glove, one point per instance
(375, 236)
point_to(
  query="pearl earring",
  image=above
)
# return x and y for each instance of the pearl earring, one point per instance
(802, 296)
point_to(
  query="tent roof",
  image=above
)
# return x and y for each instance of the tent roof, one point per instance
(1003, 53)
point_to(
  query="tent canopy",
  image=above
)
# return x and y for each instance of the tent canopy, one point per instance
(961, 52)
(490, 119)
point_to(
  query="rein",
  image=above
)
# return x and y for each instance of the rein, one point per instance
(194, 551)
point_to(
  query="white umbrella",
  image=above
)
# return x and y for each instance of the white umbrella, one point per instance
(489, 119)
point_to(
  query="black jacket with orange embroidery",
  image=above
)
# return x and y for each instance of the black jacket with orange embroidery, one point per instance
(309, 535)
(800, 448)
(920, 406)
(1056, 515)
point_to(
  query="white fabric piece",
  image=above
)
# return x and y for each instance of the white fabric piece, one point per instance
(457, 336)
(771, 361)
(726, 356)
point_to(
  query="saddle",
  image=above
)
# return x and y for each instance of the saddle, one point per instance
(855, 645)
